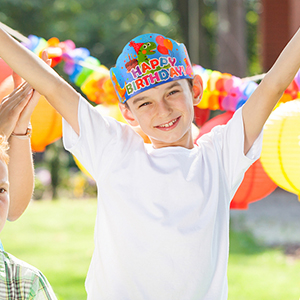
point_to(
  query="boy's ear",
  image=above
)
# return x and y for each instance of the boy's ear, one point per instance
(127, 114)
(197, 89)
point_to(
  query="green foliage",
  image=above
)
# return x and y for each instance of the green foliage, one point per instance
(253, 8)
(101, 26)
(57, 175)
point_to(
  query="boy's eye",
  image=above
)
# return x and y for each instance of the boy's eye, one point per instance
(144, 104)
(2, 190)
(173, 92)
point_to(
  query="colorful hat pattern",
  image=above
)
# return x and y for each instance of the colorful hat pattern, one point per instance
(147, 61)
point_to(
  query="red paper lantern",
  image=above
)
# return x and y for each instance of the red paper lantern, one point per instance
(255, 186)
(256, 183)
(218, 120)
(201, 115)
(5, 70)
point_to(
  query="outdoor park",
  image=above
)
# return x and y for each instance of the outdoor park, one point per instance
(232, 44)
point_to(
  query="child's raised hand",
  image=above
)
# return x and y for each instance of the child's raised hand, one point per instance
(11, 108)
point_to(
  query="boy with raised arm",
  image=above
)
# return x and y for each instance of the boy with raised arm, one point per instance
(163, 209)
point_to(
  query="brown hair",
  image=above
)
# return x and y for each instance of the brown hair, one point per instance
(3, 149)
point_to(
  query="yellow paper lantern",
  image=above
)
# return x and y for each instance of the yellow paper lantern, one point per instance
(46, 125)
(280, 155)
(81, 167)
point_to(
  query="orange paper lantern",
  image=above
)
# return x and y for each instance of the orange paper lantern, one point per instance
(46, 125)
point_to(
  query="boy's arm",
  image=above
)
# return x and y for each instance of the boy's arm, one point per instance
(41, 77)
(261, 103)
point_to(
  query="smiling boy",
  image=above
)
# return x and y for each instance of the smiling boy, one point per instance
(165, 112)
(162, 222)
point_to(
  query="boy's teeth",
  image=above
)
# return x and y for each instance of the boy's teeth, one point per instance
(169, 124)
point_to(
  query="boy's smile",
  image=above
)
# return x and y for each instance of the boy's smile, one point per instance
(165, 112)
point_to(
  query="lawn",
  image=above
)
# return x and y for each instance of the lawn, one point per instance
(57, 237)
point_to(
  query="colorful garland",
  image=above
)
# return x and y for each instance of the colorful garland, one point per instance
(222, 91)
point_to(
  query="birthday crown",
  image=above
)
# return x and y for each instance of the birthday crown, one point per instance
(147, 61)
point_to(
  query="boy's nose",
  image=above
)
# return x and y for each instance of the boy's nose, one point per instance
(164, 108)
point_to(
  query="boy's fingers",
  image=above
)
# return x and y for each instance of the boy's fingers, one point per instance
(45, 58)
(45, 55)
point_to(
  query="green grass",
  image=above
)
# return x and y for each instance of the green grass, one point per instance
(260, 273)
(57, 238)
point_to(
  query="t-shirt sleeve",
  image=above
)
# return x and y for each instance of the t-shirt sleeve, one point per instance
(100, 141)
(228, 142)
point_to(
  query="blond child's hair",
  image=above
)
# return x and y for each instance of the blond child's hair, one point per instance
(3, 149)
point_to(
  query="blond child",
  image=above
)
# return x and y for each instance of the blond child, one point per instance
(18, 280)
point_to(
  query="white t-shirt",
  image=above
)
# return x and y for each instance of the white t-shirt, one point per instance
(162, 221)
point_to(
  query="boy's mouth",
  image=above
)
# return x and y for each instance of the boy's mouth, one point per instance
(169, 125)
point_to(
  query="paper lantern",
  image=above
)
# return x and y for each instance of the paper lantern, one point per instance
(281, 146)
(255, 186)
(256, 183)
(201, 115)
(5, 70)
(82, 168)
(6, 87)
(46, 125)
(218, 120)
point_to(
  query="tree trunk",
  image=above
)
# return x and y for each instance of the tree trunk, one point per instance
(193, 33)
(231, 39)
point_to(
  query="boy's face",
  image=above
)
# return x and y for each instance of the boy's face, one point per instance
(165, 113)
(4, 197)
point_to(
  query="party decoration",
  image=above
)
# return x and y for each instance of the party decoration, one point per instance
(280, 155)
(6, 87)
(222, 91)
(46, 125)
(220, 119)
(256, 183)
(5, 70)
(201, 115)
(255, 186)
(82, 168)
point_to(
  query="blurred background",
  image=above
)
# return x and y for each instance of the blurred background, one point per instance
(239, 37)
